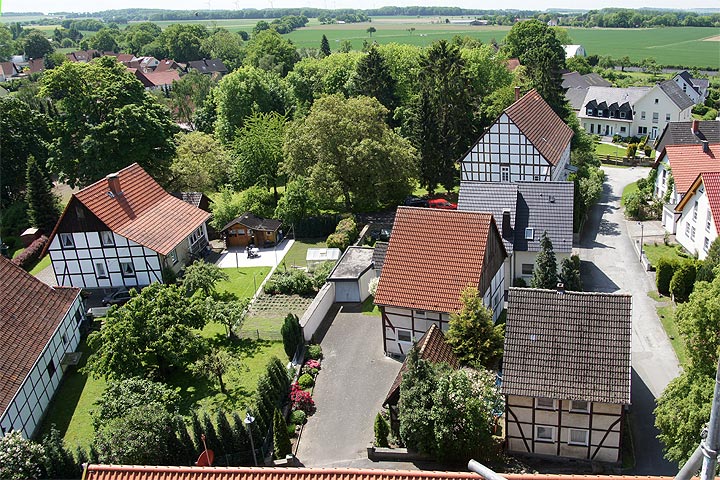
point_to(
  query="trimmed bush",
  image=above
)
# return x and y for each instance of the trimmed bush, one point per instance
(298, 417)
(30, 256)
(664, 271)
(338, 240)
(382, 430)
(313, 352)
(349, 227)
(306, 381)
(301, 400)
(292, 335)
(293, 282)
(683, 281)
(281, 437)
(321, 273)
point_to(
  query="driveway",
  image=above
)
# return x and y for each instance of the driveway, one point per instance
(610, 264)
(236, 257)
(354, 380)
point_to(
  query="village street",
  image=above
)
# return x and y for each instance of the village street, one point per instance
(610, 264)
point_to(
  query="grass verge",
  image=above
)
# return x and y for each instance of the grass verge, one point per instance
(667, 318)
(369, 308)
(656, 251)
(627, 191)
(243, 282)
(298, 252)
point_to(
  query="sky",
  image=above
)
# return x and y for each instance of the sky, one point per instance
(47, 6)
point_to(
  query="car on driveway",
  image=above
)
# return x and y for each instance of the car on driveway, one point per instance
(442, 204)
(415, 202)
(118, 297)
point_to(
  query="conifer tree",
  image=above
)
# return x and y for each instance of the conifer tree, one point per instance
(281, 439)
(224, 433)
(475, 339)
(325, 46)
(373, 79)
(570, 274)
(42, 203)
(545, 271)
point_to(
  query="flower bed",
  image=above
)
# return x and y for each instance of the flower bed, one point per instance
(302, 404)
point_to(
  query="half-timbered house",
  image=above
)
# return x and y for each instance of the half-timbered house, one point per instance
(528, 142)
(122, 231)
(566, 373)
(432, 256)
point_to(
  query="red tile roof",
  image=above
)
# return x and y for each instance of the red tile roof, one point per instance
(711, 181)
(143, 212)
(122, 472)
(433, 255)
(30, 312)
(541, 125)
(159, 79)
(689, 161)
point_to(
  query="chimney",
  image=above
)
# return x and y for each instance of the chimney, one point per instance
(517, 93)
(695, 127)
(560, 288)
(114, 184)
(506, 227)
(706, 146)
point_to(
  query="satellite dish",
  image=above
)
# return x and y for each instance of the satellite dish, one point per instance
(205, 459)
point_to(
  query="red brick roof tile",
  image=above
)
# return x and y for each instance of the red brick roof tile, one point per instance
(689, 161)
(30, 312)
(166, 77)
(144, 212)
(541, 125)
(711, 181)
(433, 255)
(124, 472)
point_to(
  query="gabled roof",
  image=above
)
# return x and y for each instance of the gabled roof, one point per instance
(570, 346)
(159, 79)
(30, 312)
(681, 133)
(613, 95)
(9, 69)
(574, 79)
(36, 65)
(379, 254)
(353, 264)
(686, 76)
(208, 65)
(142, 212)
(168, 64)
(254, 222)
(541, 125)
(700, 83)
(540, 206)
(124, 57)
(193, 198)
(433, 255)
(711, 182)
(433, 348)
(675, 93)
(689, 161)
(137, 472)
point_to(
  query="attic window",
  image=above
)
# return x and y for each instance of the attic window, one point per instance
(529, 233)
(107, 239)
(656, 100)
(622, 114)
(66, 240)
(589, 111)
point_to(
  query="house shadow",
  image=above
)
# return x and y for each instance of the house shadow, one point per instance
(595, 280)
(597, 223)
(648, 452)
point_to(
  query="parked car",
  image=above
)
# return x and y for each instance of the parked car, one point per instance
(442, 203)
(118, 297)
(416, 202)
(382, 235)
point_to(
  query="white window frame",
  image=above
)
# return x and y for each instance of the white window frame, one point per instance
(504, 173)
(706, 244)
(642, 115)
(540, 406)
(692, 233)
(173, 256)
(67, 242)
(131, 272)
(623, 115)
(584, 432)
(695, 211)
(687, 230)
(708, 218)
(107, 239)
(584, 406)
(656, 117)
(529, 233)
(667, 117)
(101, 270)
(404, 330)
(600, 112)
(589, 111)
(545, 438)
(420, 314)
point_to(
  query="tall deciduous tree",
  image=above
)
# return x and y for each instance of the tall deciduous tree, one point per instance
(442, 120)
(476, 341)
(296, 203)
(201, 163)
(348, 151)
(120, 396)
(104, 40)
(36, 44)
(188, 94)
(225, 45)
(325, 46)
(149, 336)
(203, 276)
(20, 459)
(7, 45)
(183, 42)
(268, 50)
(229, 204)
(137, 35)
(259, 151)
(107, 121)
(373, 79)
(43, 205)
(545, 270)
(228, 311)
(214, 364)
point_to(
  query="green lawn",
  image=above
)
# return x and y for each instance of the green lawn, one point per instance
(627, 191)
(369, 308)
(243, 282)
(605, 149)
(298, 252)
(656, 251)
(41, 265)
(667, 318)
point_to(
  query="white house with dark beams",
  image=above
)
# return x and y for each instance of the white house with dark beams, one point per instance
(432, 256)
(697, 210)
(122, 231)
(39, 327)
(528, 142)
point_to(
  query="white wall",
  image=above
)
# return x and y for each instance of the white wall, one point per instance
(559, 172)
(27, 408)
(656, 101)
(416, 322)
(494, 296)
(688, 90)
(318, 309)
(606, 126)
(528, 258)
(696, 232)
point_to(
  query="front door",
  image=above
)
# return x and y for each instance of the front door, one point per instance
(653, 133)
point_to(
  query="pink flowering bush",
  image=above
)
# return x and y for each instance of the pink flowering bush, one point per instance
(301, 400)
(313, 364)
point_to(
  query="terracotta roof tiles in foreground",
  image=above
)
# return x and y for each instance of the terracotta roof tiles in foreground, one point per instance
(30, 312)
(122, 472)
(433, 255)
(541, 125)
(689, 161)
(144, 212)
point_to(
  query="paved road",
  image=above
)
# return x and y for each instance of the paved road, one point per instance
(351, 387)
(609, 264)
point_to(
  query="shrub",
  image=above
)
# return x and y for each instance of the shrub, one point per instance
(382, 430)
(294, 282)
(30, 256)
(301, 400)
(338, 240)
(291, 430)
(313, 364)
(298, 417)
(306, 381)
(372, 286)
(281, 437)
(321, 273)
(664, 271)
(519, 282)
(683, 281)
(631, 149)
(349, 227)
(314, 352)
(292, 335)
(647, 150)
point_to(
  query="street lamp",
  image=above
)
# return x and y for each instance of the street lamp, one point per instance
(248, 422)
(642, 235)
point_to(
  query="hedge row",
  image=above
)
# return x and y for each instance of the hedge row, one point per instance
(29, 257)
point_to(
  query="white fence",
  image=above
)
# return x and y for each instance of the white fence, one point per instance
(317, 310)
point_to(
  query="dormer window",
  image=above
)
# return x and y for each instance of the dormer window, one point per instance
(529, 233)
(601, 112)
(622, 114)
(589, 111)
